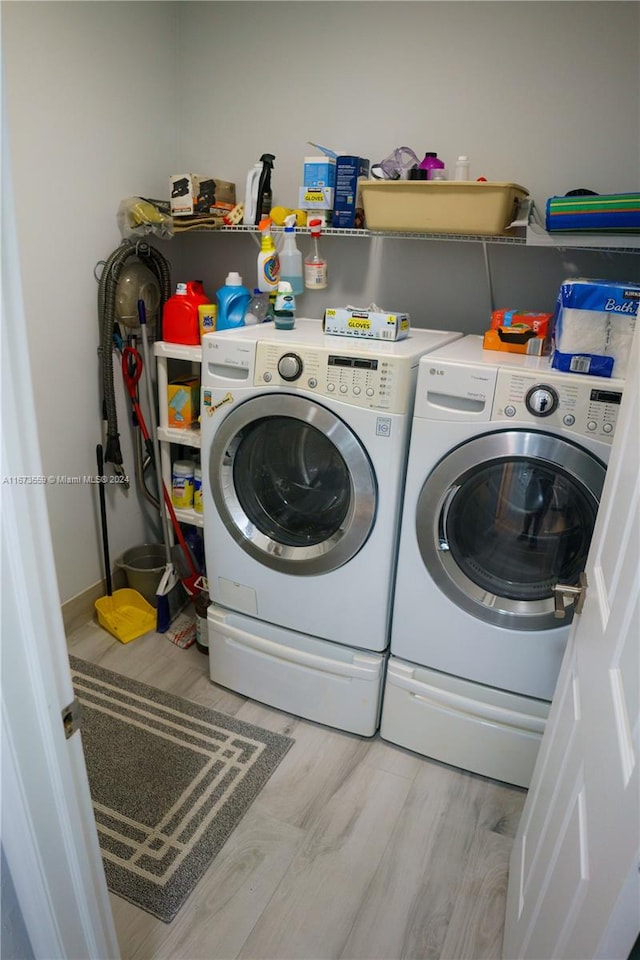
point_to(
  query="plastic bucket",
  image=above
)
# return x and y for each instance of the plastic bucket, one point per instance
(144, 566)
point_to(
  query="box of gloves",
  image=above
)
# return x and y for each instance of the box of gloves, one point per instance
(593, 326)
(372, 323)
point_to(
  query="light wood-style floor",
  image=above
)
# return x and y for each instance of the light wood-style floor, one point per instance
(355, 849)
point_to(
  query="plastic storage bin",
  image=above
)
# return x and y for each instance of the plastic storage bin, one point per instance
(440, 206)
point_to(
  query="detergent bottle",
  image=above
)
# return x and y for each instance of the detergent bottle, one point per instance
(251, 194)
(232, 300)
(180, 320)
(291, 258)
(268, 260)
(258, 196)
(285, 307)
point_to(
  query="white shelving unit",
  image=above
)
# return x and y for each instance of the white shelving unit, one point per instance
(164, 352)
(533, 236)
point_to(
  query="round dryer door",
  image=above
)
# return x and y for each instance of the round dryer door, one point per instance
(292, 484)
(503, 518)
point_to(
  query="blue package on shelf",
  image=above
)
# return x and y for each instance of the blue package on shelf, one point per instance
(594, 213)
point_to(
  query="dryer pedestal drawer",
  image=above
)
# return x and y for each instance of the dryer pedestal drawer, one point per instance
(311, 678)
(477, 728)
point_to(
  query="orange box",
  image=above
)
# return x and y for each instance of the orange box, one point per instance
(516, 341)
(539, 322)
(183, 399)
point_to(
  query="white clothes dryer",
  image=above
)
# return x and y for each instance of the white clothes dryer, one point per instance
(304, 446)
(505, 471)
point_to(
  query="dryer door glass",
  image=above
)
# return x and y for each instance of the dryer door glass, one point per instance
(505, 517)
(518, 527)
(293, 484)
(291, 481)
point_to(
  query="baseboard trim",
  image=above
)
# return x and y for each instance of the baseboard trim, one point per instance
(80, 609)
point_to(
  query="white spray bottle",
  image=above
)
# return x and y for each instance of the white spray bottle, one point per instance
(291, 258)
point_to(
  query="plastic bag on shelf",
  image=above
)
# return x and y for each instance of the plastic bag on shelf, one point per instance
(139, 217)
(396, 165)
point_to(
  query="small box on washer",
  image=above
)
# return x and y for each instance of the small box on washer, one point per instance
(370, 324)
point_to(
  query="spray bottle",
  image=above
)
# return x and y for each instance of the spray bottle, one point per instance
(268, 259)
(315, 266)
(290, 257)
(265, 197)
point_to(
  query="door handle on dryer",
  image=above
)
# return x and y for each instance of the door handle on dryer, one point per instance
(564, 593)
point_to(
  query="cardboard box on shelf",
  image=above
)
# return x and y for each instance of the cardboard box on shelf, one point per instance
(194, 193)
(319, 172)
(348, 209)
(183, 399)
(316, 199)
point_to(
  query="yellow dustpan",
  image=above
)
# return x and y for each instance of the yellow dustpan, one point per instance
(125, 613)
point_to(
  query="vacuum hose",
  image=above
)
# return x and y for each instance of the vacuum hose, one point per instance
(107, 285)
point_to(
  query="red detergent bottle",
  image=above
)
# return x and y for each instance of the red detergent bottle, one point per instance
(180, 323)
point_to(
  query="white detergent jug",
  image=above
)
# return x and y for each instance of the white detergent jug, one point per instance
(251, 194)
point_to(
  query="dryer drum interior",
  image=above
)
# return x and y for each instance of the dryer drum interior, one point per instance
(292, 484)
(503, 518)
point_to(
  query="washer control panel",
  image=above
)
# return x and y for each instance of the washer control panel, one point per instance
(586, 406)
(374, 382)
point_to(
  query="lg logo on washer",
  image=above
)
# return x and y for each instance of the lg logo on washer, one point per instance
(436, 373)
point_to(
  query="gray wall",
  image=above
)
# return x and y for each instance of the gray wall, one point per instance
(542, 94)
(106, 99)
(89, 88)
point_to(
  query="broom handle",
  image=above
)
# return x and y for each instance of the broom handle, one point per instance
(142, 316)
(103, 519)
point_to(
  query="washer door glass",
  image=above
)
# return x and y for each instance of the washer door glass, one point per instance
(504, 518)
(292, 484)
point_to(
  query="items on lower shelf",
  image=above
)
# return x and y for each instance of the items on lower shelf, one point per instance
(171, 436)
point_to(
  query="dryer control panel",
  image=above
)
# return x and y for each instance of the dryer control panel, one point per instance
(584, 406)
(369, 381)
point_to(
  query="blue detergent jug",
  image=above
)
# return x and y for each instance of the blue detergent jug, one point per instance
(233, 300)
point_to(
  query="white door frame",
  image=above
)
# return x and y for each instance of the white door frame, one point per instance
(49, 835)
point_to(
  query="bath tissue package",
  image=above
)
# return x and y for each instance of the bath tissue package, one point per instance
(593, 326)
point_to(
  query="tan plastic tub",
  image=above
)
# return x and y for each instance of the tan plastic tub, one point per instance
(440, 206)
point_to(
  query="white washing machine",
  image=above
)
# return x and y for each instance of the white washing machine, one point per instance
(304, 446)
(505, 471)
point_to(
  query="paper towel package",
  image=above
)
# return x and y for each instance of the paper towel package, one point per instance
(593, 326)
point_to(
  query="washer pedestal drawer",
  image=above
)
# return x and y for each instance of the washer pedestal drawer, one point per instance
(468, 725)
(308, 677)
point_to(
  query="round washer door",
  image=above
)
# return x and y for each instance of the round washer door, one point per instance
(292, 484)
(503, 518)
